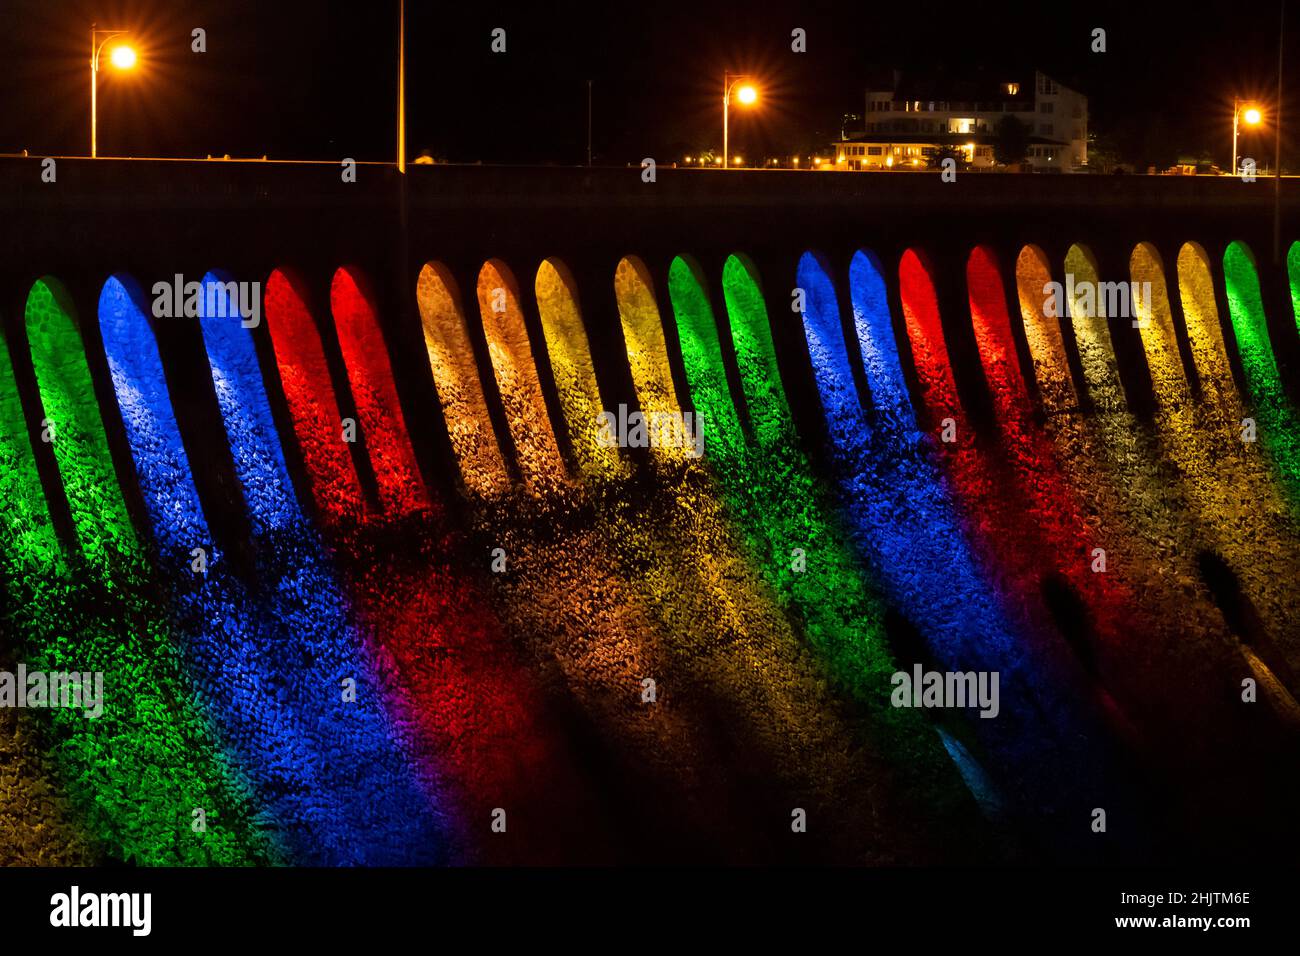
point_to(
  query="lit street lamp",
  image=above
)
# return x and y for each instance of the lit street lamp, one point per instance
(122, 58)
(747, 95)
(1248, 114)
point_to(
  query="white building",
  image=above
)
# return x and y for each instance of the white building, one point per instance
(912, 120)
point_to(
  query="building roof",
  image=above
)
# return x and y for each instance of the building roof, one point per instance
(934, 139)
(943, 84)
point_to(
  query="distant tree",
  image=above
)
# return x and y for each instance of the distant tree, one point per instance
(1103, 152)
(1162, 145)
(1144, 142)
(948, 150)
(1010, 141)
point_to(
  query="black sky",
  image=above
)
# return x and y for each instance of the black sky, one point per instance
(303, 80)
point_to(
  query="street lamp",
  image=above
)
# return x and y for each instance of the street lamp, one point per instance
(1246, 113)
(122, 58)
(747, 95)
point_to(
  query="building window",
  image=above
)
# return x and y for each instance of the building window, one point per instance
(1045, 129)
(875, 150)
(1046, 107)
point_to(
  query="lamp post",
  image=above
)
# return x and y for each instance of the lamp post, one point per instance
(1251, 115)
(123, 57)
(401, 87)
(747, 95)
(1277, 141)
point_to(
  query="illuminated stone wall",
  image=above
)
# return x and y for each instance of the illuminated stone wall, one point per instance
(623, 563)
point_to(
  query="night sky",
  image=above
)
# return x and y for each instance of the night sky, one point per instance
(299, 80)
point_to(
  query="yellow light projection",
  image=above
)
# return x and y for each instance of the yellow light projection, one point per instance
(1046, 343)
(1150, 305)
(1092, 333)
(647, 350)
(540, 462)
(455, 376)
(1201, 315)
(574, 373)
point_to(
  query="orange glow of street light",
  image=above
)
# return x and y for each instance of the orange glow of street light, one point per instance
(1242, 113)
(747, 95)
(122, 57)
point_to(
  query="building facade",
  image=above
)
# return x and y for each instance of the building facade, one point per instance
(910, 122)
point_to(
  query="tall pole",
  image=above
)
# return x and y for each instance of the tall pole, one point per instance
(726, 104)
(94, 95)
(401, 88)
(1236, 114)
(589, 122)
(1277, 143)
